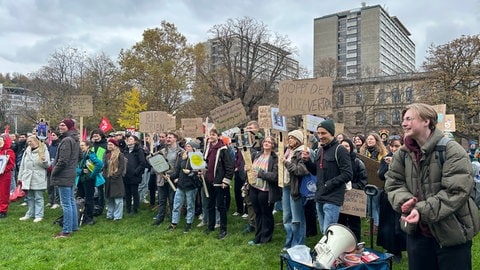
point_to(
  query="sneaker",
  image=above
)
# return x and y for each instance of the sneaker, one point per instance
(245, 216)
(145, 201)
(24, 204)
(236, 214)
(200, 217)
(248, 229)
(157, 222)
(187, 228)
(171, 227)
(252, 243)
(48, 205)
(201, 224)
(222, 235)
(55, 206)
(274, 212)
(61, 235)
(24, 218)
(38, 219)
(217, 226)
(3, 215)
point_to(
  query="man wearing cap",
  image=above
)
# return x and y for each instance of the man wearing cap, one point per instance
(333, 169)
(63, 175)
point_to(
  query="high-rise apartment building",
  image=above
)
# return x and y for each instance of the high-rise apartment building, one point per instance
(363, 42)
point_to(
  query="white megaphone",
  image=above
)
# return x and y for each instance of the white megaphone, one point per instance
(337, 240)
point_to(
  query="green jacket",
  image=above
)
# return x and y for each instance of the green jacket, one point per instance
(444, 202)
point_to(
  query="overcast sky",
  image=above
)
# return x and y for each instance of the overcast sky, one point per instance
(31, 30)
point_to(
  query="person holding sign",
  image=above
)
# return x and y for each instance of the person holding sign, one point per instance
(187, 181)
(218, 176)
(333, 169)
(264, 191)
(292, 204)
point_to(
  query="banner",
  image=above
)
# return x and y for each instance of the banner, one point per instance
(105, 124)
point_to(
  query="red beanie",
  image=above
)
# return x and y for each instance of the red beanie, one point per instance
(114, 141)
(69, 123)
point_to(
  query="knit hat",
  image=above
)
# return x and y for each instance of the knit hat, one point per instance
(69, 123)
(297, 134)
(328, 125)
(193, 144)
(114, 141)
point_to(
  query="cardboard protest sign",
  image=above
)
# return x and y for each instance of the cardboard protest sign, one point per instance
(192, 127)
(449, 123)
(153, 121)
(81, 105)
(309, 96)
(355, 203)
(312, 122)
(372, 167)
(229, 115)
(264, 119)
(441, 110)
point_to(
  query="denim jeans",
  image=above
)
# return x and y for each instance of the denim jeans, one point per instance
(293, 219)
(178, 201)
(115, 208)
(327, 214)
(375, 207)
(69, 207)
(35, 203)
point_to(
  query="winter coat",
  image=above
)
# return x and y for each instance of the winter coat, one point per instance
(444, 202)
(187, 178)
(296, 169)
(271, 176)
(66, 160)
(114, 186)
(32, 171)
(332, 174)
(6, 176)
(223, 166)
(135, 166)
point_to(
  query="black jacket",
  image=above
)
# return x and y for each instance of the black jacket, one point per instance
(332, 174)
(135, 166)
(271, 176)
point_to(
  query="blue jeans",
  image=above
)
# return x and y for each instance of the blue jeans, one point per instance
(115, 208)
(327, 214)
(69, 207)
(375, 207)
(293, 219)
(178, 201)
(35, 203)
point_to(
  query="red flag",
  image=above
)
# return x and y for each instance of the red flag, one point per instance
(105, 124)
(84, 135)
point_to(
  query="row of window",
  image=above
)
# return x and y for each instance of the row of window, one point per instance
(382, 118)
(396, 96)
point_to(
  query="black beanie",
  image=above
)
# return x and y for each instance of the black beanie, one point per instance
(328, 125)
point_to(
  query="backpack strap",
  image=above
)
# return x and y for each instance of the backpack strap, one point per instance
(336, 154)
(440, 150)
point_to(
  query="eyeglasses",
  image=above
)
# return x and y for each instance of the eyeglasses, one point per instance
(395, 137)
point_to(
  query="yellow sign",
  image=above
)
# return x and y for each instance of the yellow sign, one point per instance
(196, 160)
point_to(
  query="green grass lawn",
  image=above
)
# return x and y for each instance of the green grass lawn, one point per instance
(134, 243)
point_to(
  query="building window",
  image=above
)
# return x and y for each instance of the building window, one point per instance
(396, 96)
(396, 117)
(409, 94)
(382, 97)
(340, 99)
(359, 119)
(382, 118)
(359, 97)
(340, 117)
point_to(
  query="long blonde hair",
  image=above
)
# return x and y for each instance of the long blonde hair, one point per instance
(113, 161)
(41, 147)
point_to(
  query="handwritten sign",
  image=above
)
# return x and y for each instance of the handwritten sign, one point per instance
(171, 122)
(264, 119)
(192, 127)
(153, 121)
(81, 105)
(309, 96)
(229, 115)
(449, 123)
(312, 122)
(355, 203)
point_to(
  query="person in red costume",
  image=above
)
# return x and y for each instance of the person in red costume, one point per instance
(6, 175)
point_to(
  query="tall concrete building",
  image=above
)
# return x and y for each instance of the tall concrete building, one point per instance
(361, 43)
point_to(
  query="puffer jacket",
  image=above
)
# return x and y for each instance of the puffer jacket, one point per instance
(444, 202)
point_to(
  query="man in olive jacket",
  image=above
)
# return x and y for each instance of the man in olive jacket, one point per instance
(437, 213)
